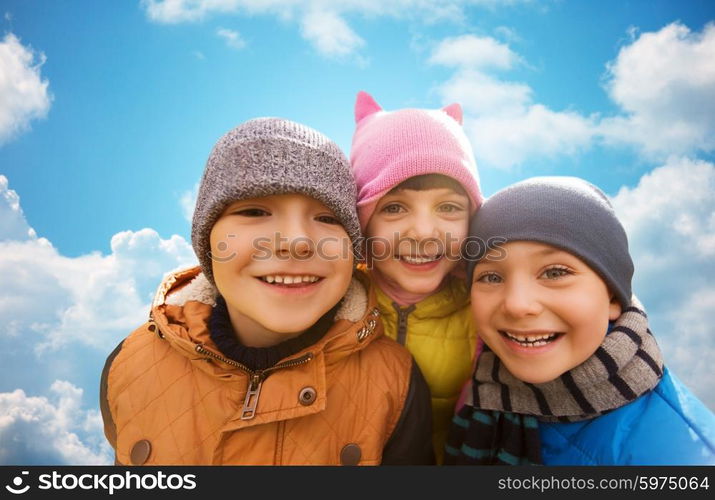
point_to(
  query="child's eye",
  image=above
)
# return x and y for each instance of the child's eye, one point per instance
(392, 208)
(556, 272)
(328, 219)
(251, 212)
(450, 208)
(490, 278)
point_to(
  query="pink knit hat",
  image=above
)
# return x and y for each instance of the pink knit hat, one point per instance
(389, 147)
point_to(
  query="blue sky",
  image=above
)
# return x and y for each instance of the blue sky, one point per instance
(108, 111)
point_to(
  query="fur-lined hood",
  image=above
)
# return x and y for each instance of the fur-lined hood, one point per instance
(184, 301)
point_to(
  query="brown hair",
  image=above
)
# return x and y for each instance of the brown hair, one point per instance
(430, 181)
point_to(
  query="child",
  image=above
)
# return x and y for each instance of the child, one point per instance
(272, 351)
(417, 187)
(570, 374)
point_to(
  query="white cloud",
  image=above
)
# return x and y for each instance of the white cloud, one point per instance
(93, 299)
(178, 11)
(69, 313)
(534, 131)
(13, 225)
(483, 95)
(52, 431)
(504, 123)
(322, 22)
(507, 33)
(670, 220)
(469, 51)
(188, 202)
(329, 33)
(23, 92)
(232, 38)
(664, 82)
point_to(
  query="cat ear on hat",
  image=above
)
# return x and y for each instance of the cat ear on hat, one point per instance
(455, 111)
(365, 105)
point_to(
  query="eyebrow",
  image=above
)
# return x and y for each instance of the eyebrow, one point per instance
(548, 251)
(545, 252)
(400, 193)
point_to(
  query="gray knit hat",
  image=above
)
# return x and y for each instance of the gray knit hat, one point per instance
(268, 156)
(566, 212)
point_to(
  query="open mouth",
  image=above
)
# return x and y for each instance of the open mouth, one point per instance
(417, 260)
(536, 340)
(292, 280)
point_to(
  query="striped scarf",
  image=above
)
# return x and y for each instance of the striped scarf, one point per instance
(499, 423)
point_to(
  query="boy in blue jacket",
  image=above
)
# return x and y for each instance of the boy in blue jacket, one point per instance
(571, 374)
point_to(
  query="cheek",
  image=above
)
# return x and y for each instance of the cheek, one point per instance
(376, 228)
(334, 248)
(383, 232)
(589, 306)
(481, 309)
(344, 269)
(337, 252)
(455, 236)
(379, 248)
(225, 246)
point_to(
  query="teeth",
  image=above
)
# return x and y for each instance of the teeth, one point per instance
(418, 260)
(290, 280)
(532, 340)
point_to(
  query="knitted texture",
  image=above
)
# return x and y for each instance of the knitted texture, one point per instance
(565, 212)
(625, 366)
(499, 423)
(471, 439)
(269, 156)
(389, 147)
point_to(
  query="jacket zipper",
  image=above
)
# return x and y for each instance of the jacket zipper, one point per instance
(402, 321)
(256, 377)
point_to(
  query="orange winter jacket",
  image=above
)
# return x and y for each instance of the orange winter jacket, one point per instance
(168, 396)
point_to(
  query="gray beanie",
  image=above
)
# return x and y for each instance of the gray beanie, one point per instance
(566, 212)
(268, 156)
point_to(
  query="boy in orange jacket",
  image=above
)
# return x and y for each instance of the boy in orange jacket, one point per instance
(270, 352)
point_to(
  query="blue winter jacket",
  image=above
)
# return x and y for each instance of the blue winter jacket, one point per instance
(666, 426)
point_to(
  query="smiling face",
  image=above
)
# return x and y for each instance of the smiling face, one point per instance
(415, 236)
(542, 310)
(280, 262)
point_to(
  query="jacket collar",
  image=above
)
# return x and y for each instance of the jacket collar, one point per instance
(452, 297)
(184, 301)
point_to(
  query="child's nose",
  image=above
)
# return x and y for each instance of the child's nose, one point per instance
(423, 227)
(295, 240)
(520, 299)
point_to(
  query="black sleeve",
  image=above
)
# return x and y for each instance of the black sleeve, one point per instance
(411, 441)
(110, 430)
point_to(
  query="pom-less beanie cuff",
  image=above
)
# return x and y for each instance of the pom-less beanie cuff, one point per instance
(269, 156)
(564, 212)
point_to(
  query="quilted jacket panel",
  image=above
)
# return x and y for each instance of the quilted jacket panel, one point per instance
(188, 405)
(442, 338)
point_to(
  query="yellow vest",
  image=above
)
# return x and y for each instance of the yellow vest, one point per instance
(439, 332)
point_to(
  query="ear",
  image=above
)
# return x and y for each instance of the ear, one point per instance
(614, 309)
(455, 111)
(365, 105)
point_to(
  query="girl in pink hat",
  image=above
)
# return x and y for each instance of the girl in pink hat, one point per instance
(417, 187)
